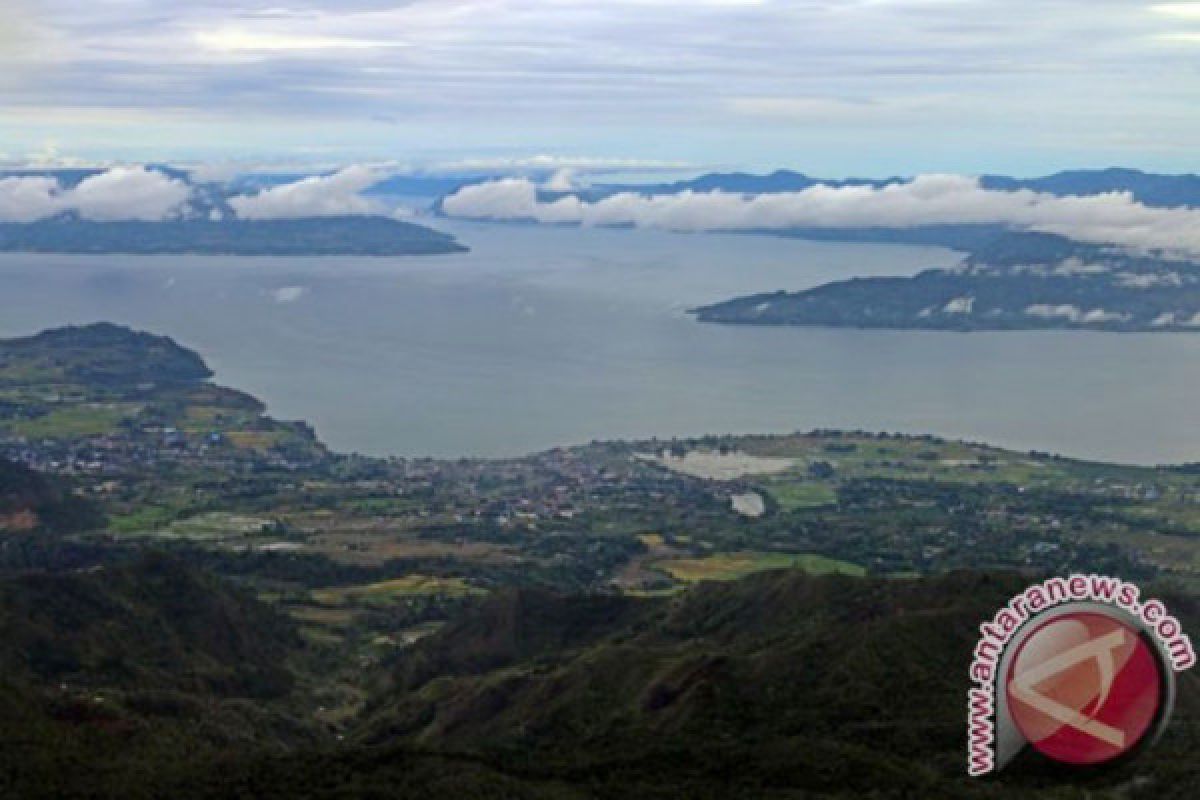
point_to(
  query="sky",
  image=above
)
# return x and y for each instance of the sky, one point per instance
(831, 87)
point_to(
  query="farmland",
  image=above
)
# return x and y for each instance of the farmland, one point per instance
(733, 566)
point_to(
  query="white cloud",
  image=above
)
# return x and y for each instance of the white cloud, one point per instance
(561, 181)
(26, 199)
(1096, 316)
(1114, 218)
(1181, 10)
(146, 194)
(320, 196)
(1044, 311)
(233, 40)
(128, 193)
(506, 199)
(960, 305)
(1177, 318)
(1149, 280)
(116, 194)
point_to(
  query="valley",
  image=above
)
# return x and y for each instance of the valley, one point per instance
(410, 611)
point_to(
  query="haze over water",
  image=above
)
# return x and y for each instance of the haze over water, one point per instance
(549, 336)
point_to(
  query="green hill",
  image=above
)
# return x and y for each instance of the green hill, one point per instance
(31, 502)
(780, 685)
(151, 624)
(102, 353)
(111, 674)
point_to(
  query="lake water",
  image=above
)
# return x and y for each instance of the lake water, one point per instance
(546, 336)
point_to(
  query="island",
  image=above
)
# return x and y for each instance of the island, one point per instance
(350, 235)
(1017, 281)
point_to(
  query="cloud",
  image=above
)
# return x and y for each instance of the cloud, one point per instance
(15, 28)
(117, 194)
(141, 193)
(129, 193)
(1114, 218)
(231, 78)
(233, 40)
(562, 180)
(1181, 10)
(26, 199)
(319, 196)
(1097, 316)
(802, 108)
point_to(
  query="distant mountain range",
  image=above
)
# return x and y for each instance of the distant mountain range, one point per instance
(212, 228)
(1149, 188)
(1153, 189)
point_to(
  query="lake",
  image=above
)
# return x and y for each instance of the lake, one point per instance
(545, 336)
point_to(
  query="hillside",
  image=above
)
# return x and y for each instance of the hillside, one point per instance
(153, 623)
(778, 686)
(85, 396)
(117, 669)
(33, 503)
(773, 686)
(102, 353)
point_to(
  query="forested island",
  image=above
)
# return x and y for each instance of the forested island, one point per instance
(1017, 281)
(350, 235)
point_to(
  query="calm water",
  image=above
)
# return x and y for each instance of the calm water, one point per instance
(544, 336)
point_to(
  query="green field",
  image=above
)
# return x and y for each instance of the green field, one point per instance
(386, 591)
(732, 566)
(793, 496)
(90, 419)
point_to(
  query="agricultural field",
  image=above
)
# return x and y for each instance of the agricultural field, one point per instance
(734, 566)
(66, 421)
(385, 592)
(792, 495)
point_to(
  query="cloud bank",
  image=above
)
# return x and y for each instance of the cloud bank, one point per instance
(319, 196)
(122, 193)
(1114, 218)
(140, 193)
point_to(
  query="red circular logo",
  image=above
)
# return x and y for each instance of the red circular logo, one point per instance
(1085, 688)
